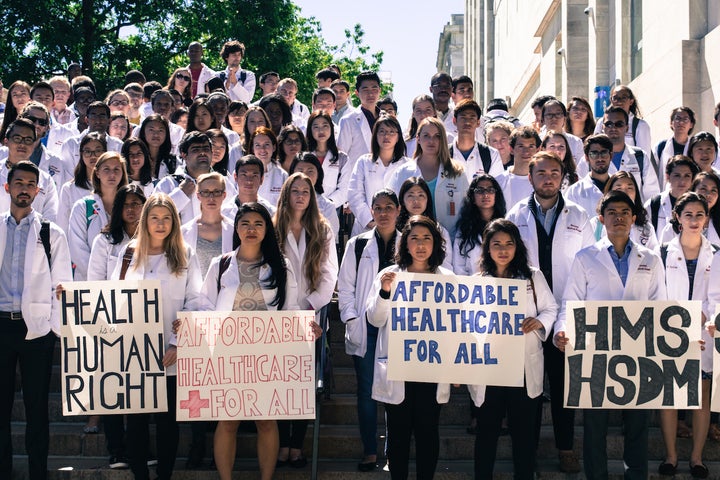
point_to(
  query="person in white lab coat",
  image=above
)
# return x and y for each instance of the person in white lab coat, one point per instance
(515, 181)
(475, 157)
(679, 173)
(90, 214)
(614, 268)
(336, 170)
(588, 191)
(483, 202)
(638, 132)
(139, 165)
(557, 142)
(504, 256)
(309, 164)
(423, 106)
(263, 144)
(688, 259)
(375, 170)
(410, 407)
(307, 241)
(554, 230)
(703, 149)
(682, 123)
(356, 127)
(158, 252)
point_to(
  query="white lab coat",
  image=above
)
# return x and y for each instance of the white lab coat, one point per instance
(369, 175)
(586, 194)
(642, 135)
(573, 232)
(546, 311)
(514, 187)
(46, 201)
(329, 211)
(378, 314)
(473, 165)
(178, 292)
(642, 235)
(188, 207)
(664, 212)
(336, 178)
(244, 91)
(104, 256)
(54, 166)
(466, 263)
(354, 287)
(678, 286)
(39, 306)
(70, 151)
(448, 194)
(59, 133)
(190, 233)
(69, 194)
(272, 183)
(205, 74)
(229, 207)
(593, 276)
(224, 299)
(668, 234)
(327, 276)
(662, 158)
(82, 231)
(355, 136)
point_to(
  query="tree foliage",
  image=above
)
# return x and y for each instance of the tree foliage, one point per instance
(109, 37)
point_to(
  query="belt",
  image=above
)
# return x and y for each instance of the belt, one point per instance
(11, 316)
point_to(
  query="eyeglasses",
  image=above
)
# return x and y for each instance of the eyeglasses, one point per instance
(618, 124)
(92, 153)
(595, 154)
(18, 139)
(132, 205)
(485, 191)
(211, 193)
(43, 122)
(183, 77)
(681, 119)
(291, 141)
(119, 103)
(620, 98)
(554, 116)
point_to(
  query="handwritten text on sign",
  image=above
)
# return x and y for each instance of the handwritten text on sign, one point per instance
(457, 330)
(112, 348)
(715, 397)
(245, 365)
(633, 354)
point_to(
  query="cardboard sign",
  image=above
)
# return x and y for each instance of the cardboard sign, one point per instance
(633, 354)
(112, 347)
(246, 365)
(452, 329)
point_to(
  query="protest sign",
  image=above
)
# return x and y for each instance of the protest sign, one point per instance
(449, 329)
(246, 365)
(633, 354)
(715, 397)
(112, 347)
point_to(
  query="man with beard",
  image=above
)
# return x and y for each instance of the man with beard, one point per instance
(20, 139)
(441, 90)
(196, 152)
(588, 191)
(239, 84)
(35, 260)
(554, 230)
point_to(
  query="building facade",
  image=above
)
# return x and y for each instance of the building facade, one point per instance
(450, 56)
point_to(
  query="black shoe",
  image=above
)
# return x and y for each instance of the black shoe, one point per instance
(195, 458)
(668, 469)
(118, 462)
(367, 466)
(282, 463)
(299, 462)
(699, 471)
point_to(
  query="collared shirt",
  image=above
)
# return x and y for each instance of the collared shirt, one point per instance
(386, 253)
(621, 263)
(339, 113)
(36, 155)
(547, 218)
(369, 115)
(12, 277)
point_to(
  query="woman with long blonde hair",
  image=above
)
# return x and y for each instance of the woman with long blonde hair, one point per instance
(158, 252)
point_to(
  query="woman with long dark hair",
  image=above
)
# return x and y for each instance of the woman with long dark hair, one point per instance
(18, 95)
(181, 81)
(155, 132)
(291, 141)
(580, 121)
(321, 141)
(138, 163)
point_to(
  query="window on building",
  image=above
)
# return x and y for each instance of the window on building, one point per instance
(636, 40)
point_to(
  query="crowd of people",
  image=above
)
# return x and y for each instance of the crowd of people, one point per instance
(271, 204)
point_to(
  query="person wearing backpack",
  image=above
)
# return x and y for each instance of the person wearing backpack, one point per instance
(638, 132)
(688, 258)
(680, 172)
(365, 255)
(682, 123)
(29, 315)
(477, 158)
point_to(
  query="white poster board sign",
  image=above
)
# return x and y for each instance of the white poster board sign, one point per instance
(633, 354)
(455, 329)
(112, 347)
(246, 365)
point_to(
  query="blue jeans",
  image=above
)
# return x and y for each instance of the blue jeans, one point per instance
(367, 407)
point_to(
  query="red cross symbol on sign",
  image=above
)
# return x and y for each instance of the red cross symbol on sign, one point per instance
(194, 403)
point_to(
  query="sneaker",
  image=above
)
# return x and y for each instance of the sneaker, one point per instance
(119, 463)
(152, 462)
(569, 462)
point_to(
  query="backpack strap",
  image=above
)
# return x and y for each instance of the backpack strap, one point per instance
(655, 211)
(635, 123)
(360, 244)
(485, 157)
(663, 253)
(45, 239)
(640, 158)
(224, 265)
(598, 231)
(127, 258)
(89, 210)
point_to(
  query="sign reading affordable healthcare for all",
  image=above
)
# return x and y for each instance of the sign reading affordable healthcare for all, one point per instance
(452, 329)
(633, 354)
(245, 365)
(112, 347)
(715, 397)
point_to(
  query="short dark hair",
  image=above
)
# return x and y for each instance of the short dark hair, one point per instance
(265, 75)
(690, 113)
(553, 103)
(135, 76)
(598, 139)
(322, 91)
(385, 193)
(250, 159)
(680, 160)
(619, 110)
(540, 101)
(701, 137)
(160, 93)
(213, 84)
(342, 83)
(524, 132)
(461, 79)
(327, 74)
(388, 101)
(42, 85)
(21, 122)
(616, 196)
(23, 166)
(101, 105)
(440, 76)
(149, 88)
(403, 258)
(366, 76)
(232, 46)
(716, 113)
(191, 139)
(467, 104)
